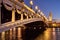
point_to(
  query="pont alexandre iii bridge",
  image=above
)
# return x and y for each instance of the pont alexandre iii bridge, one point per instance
(27, 15)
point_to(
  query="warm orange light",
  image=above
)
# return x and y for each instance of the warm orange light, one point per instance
(54, 24)
(31, 2)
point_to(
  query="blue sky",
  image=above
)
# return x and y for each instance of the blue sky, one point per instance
(47, 6)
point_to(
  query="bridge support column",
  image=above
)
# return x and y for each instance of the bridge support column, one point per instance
(30, 16)
(27, 16)
(13, 15)
(21, 16)
(33, 15)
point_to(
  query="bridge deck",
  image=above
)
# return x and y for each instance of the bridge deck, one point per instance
(9, 25)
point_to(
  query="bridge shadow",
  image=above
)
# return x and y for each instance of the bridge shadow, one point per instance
(33, 30)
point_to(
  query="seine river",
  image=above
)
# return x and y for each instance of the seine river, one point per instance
(48, 34)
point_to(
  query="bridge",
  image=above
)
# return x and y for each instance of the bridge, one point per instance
(22, 9)
(27, 15)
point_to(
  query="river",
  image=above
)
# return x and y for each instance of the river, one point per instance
(48, 34)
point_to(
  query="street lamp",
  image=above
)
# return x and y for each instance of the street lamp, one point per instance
(31, 3)
(36, 8)
(39, 11)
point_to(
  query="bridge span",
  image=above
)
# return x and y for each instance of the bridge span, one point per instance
(10, 25)
(23, 10)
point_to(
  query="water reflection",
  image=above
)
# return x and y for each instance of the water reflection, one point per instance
(45, 35)
(49, 34)
(3, 36)
(10, 34)
(15, 34)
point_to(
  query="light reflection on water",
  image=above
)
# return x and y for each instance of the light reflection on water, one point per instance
(3, 36)
(46, 35)
(50, 34)
(15, 34)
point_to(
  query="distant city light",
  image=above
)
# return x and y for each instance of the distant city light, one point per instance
(54, 24)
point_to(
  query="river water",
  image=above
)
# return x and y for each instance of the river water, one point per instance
(48, 34)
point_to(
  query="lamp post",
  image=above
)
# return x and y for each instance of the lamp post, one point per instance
(36, 8)
(31, 3)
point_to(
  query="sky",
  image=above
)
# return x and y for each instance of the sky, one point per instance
(47, 6)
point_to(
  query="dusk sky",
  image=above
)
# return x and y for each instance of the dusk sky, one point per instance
(47, 6)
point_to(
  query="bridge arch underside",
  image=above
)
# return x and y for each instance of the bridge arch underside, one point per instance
(33, 29)
(36, 25)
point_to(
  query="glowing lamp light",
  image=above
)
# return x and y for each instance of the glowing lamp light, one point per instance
(31, 2)
(36, 7)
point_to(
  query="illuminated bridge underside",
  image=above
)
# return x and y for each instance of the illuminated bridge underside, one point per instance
(9, 25)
